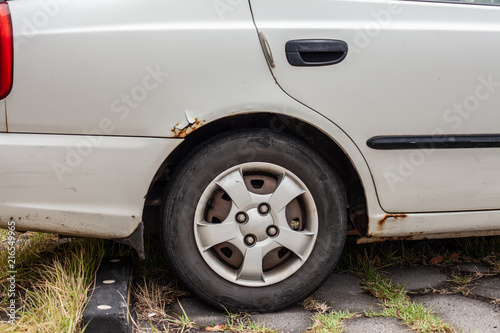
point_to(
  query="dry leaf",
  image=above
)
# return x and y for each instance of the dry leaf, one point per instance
(216, 328)
(436, 260)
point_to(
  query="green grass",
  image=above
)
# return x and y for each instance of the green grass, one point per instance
(53, 283)
(480, 247)
(366, 261)
(241, 323)
(330, 322)
(396, 303)
(181, 321)
(27, 249)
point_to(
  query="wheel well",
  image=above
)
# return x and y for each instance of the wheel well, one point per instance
(331, 152)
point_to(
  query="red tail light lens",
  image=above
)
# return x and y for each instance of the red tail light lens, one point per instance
(6, 50)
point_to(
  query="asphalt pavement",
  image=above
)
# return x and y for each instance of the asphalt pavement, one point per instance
(474, 311)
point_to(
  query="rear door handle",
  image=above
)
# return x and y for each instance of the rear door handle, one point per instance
(315, 52)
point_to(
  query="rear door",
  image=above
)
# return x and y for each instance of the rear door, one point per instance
(429, 70)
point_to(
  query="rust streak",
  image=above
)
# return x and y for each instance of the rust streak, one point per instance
(391, 216)
(183, 132)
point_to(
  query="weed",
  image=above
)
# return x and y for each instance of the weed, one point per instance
(152, 299)
(480, 247)
(181, 321)
(28, 246)
(243, 324)
(314, 305)
(461, 282)
(397, 304)
(54, 297)
(330, 322)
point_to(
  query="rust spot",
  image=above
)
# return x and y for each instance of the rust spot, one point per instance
(391, 216)
(183, 132)
(373, 239)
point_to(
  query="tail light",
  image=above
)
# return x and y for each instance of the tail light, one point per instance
(6, 50)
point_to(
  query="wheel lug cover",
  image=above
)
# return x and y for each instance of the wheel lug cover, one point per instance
(241, 217)
(264, 209)
(250, 240)
(272, 231)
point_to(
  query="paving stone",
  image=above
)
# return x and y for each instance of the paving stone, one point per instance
(417, 279)
(293, 320)
(465, 314)
(487, 287)
(471, 268)
(198, 312)
(375, 325)
(344, 292)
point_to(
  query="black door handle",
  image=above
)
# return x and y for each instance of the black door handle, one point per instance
(315, 52)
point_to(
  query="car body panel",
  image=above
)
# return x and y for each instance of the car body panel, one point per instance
(56, 183)
(409, 64)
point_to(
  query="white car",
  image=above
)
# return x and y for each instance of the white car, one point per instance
(253, 134)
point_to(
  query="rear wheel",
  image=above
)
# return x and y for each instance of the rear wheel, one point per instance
(254, 221)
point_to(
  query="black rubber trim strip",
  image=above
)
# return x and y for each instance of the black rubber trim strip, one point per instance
(434, 142)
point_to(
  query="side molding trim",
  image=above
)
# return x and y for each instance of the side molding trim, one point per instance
(434, 142)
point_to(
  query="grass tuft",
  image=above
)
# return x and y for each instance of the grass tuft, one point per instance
(242, 323)
(314, 305)
(395, 301)
(28, 246)
(152, 299)
(181, 321)
(330, 322)
(53, 282)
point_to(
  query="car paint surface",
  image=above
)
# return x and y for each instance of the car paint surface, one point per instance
(57, 183)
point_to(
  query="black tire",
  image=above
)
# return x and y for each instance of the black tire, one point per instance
(184, 240)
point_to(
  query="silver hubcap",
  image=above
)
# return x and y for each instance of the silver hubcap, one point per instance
(256, 224)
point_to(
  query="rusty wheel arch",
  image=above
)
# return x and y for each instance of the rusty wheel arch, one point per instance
(315, 138)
